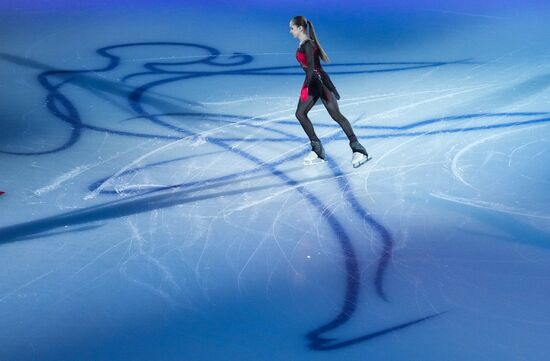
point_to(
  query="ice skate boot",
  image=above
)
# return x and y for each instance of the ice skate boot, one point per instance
(316, 155)
(360, 155)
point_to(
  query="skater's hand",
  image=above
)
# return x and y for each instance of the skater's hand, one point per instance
(304, 94)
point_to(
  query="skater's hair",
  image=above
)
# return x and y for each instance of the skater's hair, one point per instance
(308, 25)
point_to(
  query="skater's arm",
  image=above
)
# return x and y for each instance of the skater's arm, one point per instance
(310, 61)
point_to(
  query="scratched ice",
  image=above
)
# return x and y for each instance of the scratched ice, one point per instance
(157, 208)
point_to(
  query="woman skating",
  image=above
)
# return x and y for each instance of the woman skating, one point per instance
(317, 84)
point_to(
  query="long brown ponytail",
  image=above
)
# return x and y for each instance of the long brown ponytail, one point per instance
(308, 25)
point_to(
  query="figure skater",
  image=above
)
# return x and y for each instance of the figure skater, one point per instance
(317, 84)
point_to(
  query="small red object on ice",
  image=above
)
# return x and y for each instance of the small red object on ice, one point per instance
(2, 193)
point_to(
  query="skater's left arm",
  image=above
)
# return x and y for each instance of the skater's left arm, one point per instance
(310, 61)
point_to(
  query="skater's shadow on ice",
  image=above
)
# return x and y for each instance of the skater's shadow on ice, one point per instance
(140, 204)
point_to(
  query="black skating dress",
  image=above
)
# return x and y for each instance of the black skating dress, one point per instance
(317, 80)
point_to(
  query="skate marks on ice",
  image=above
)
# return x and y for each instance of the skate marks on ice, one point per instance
(97, 82)
(125, 207)
(139, 199)
(491, 120)
(519, 155)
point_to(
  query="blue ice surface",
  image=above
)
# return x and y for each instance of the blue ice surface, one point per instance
(157, 207)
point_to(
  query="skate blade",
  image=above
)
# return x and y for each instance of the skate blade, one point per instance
(361, 162)
(314, 162)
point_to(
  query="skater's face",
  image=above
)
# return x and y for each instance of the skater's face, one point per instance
(295, 30)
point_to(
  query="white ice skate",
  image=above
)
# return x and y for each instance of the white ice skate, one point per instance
(312, 158)
(358, 159)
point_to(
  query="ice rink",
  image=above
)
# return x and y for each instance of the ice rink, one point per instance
(156, 206)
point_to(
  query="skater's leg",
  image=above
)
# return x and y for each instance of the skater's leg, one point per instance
(317, 151)
(332, 107)
(301, 113)
(360, 154)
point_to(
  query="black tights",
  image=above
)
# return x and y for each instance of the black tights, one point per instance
(332, 107)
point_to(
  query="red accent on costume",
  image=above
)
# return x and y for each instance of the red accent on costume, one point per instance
(304, 94)
(301, 58)
(319, 81)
